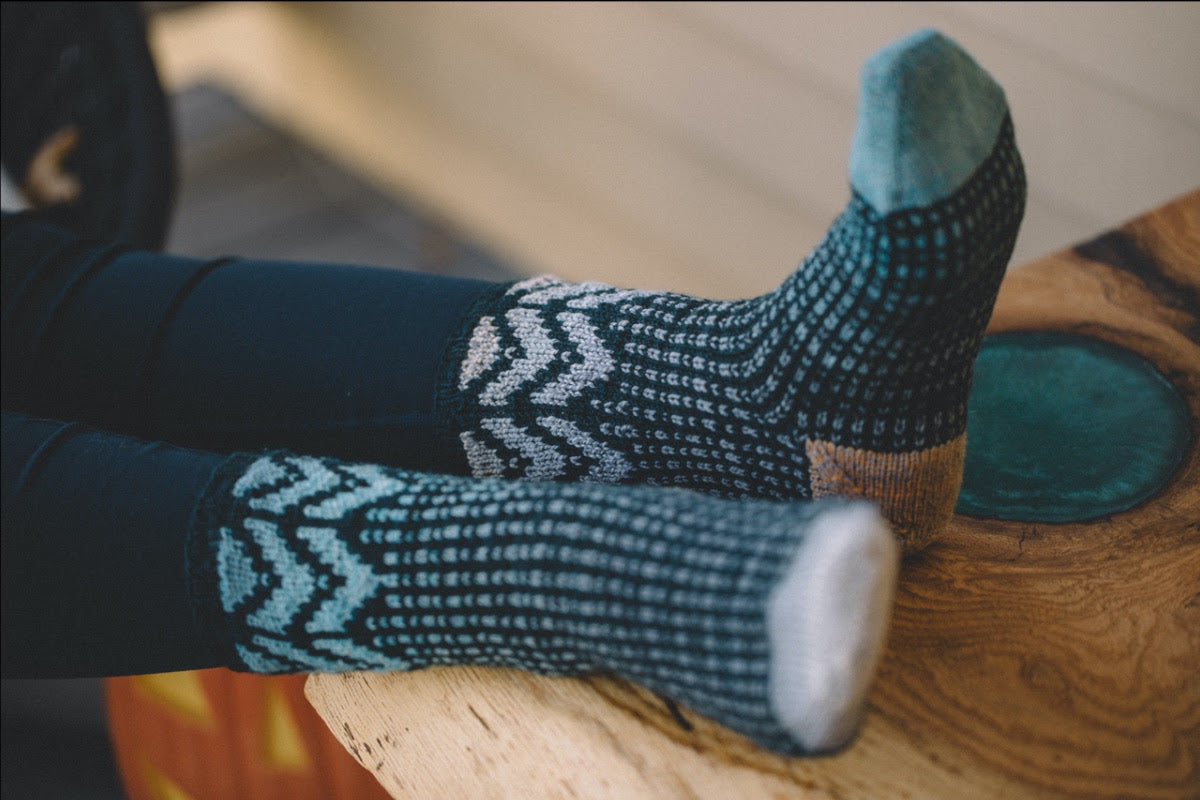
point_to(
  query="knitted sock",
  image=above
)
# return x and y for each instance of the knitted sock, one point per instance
(849, 379)
(767, 617)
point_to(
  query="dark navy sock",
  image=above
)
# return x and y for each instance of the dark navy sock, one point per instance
(767, 617)
(849, 379)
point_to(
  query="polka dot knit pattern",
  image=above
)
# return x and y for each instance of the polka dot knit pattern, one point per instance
(306, 564)
(828, 384)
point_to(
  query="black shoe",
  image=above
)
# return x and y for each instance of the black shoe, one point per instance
(86, 131)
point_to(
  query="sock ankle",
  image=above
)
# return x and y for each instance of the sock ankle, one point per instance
(766, 617)
(849, 379)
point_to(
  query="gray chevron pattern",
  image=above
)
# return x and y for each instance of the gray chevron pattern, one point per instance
(553, 361)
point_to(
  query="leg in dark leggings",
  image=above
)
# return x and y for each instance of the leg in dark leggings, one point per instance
(95, 579)
(228, 354)
(126, 556)
(851, 378)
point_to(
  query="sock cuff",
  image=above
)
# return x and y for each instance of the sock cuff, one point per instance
(448, 402)
(215, 508)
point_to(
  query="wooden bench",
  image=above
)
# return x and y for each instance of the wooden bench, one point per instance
(1024, 659)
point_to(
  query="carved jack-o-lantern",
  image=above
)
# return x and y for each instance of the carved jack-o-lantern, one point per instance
(214, 734)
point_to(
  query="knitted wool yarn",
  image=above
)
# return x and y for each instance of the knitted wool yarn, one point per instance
(767, 617)
(849, 379)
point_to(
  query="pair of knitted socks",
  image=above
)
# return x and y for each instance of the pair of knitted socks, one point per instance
(748, 600)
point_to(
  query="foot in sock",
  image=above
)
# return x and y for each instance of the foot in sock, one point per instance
(767, 617)
(849, 379)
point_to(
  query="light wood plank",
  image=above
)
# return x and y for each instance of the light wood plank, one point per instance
(759, 122)
(776, 128)
(691, 148)
(713, 221)
(1086, 148)
(1148, 50)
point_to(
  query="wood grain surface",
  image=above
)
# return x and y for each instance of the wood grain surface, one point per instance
(1024, 660)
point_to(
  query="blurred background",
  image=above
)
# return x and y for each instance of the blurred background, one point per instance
(698, 147)
(691, 146)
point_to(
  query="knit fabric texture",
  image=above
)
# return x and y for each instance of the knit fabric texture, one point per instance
(308, 564)
(868, 345)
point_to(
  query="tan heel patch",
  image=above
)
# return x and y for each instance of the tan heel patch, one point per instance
(916, 490)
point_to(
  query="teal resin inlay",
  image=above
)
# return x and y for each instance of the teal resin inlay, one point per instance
(1065, 428)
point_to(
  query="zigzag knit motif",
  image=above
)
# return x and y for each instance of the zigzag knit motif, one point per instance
(868, 346)
(307, 564)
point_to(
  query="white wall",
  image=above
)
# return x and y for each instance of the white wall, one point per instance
(702, 146)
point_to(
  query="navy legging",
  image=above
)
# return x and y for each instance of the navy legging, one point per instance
(110, 355)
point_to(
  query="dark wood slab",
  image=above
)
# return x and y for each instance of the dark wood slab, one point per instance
(1024, 660)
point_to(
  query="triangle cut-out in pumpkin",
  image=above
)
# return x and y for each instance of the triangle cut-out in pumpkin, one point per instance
(180, 692)
(283, 745)
(162, 787)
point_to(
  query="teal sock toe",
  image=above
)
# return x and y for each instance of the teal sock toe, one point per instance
(928, 116)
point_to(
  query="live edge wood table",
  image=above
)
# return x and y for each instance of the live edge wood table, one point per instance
(1026, 658)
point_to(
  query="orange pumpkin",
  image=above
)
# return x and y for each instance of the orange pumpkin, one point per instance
(215, 734)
